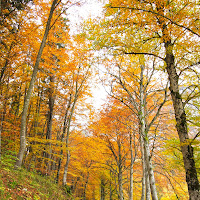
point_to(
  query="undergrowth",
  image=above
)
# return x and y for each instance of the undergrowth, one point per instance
(20, 184)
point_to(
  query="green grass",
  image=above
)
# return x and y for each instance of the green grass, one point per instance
(21, 184)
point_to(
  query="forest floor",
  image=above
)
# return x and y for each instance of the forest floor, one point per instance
(24, 185)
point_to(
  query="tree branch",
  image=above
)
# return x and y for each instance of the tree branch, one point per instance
(153, 12)
(143, 53)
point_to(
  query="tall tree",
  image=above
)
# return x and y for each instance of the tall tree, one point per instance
(31, 85)
(163, 26)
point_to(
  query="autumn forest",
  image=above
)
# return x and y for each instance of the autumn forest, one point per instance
(142, 141)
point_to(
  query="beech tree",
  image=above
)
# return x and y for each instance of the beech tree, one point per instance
(28, 95)
(115, 130)
(168, 31)
(49, 25)
(134, 86)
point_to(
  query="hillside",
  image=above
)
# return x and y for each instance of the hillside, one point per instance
(22, 184)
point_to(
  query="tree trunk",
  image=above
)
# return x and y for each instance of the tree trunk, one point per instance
(180, 116)
(111, 191)
(120, 184)
(36, 120)
(66, 168)
(62, 137)
(103, 184)
(120, 180)
(85, 187)
(147, 185)
(131, 169)
(6, 64)
(51, 107)
(145, 179)
(143, 168)
(67, 137)
(144, 136)
(181, 126)
(1, 123)
(51, 101)
(30, 89)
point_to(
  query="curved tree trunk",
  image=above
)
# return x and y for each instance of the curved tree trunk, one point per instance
(30, 89)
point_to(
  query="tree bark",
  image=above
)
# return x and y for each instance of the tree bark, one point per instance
(6, 64)
(120, 184)
(143, 169)
(103, 184)
(111, 191)
(67, 144)
(50, 121)
(181, 127)
(144, 136)
(147, 185)
(1, 124)
(68, 132)
(66, 168)
(85, 186)
(180, 116)
(30, 89)
(146, 192)
(120, 180)
(51, 107)
(131, 169)
(62, 137)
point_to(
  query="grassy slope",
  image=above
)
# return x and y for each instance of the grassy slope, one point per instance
(21, 184)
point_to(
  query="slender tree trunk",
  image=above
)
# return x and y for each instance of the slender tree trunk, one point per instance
(75, 185)
(85, 187)
(103, 184)
(62, 137)
(149, 168)
(18, 101)
(51, 101)
(59, 166)
(67, 138)
(1, 123)
(147, 185)
(145, 179)
(76, 95)
(131, 169)
(6, 64)
(120, 180)
(30, 89)
(66, 168)
(144, 136)
(36, 121)
(120, 183)
(51, 107)
(111, 185)
(143, 168)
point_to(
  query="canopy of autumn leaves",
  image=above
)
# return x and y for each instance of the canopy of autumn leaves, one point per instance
(123, 50)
